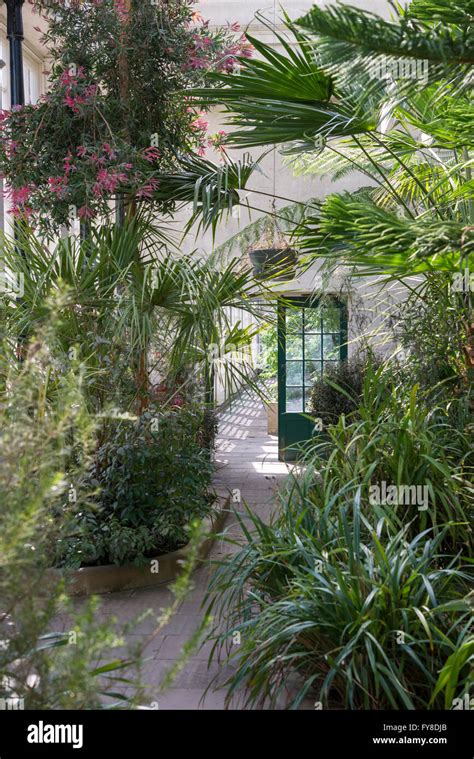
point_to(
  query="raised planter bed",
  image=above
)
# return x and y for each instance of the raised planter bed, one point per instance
(159, 570)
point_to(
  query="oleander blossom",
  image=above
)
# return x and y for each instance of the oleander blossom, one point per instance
(19, 197)
(70, 147)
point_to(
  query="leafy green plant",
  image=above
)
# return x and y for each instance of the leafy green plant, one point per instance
(400, 437)
(430, 329)
(45, 452)
(117, 303)
(364, 615)
(111, 120)
(148, 481)
(339, 390)
(268, 355)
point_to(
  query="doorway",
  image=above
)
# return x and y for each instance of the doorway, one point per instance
(311, 337)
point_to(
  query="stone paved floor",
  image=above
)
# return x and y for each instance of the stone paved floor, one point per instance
(247, 460)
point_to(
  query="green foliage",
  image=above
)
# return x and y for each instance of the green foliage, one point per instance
(418, 217)
(268, 356)
(362, 30)
(402, 437)
(339, 390)
(116, 303)
(45, 452)
(365, 615)
(430, 330)
(364, 598)
(377, 241)
(213, 190)
(447, 11)
(148, 481)
(280, 98)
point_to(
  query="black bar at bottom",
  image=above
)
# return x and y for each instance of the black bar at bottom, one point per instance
(321, 733)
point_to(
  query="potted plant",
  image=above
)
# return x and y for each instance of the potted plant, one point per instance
(272, 257)
(274, 263)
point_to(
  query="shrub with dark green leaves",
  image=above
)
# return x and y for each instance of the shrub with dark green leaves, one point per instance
(338, 390)
(149, 480)
(399, 437)
(430, 328)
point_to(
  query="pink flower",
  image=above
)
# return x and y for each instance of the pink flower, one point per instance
(91, 91)
(200, 63)
(81, 151)
(108, 181)
(235, 27)
(68, 167)
(19, 195)
(23, 211)
(86, 213)
(146, 191)
(58, 186)
(109, 151)
(67, 77)
(151, 154)
(200, 124)
(247, 50)
(121, 9)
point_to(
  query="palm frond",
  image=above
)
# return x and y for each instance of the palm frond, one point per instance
(353, 230)
(281, 98)
(460, 12)
(370, 34)
(213, 190)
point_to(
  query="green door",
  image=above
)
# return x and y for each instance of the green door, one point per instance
(311, 336)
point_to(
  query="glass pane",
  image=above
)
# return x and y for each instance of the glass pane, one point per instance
(294, 399)
(312, 370)
(312, 320)
(294, 346)
(331, 319)
(312, 347)
(294, 373)
(331, 347)
(294, 320)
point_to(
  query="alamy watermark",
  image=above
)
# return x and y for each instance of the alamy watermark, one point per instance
(12, 704)
(463, 282)
(401, 68)
(399, 495)
(12, 284)
(42, 732)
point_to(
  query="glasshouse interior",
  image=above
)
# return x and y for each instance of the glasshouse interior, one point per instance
(237, 355)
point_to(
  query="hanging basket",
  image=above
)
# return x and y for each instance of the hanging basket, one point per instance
(274, 263)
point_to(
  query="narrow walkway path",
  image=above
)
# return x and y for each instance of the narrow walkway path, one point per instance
(247, 461)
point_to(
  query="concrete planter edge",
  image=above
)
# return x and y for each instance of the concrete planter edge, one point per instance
(111, 578)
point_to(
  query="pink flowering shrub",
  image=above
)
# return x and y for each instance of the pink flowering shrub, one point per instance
(89, 140)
